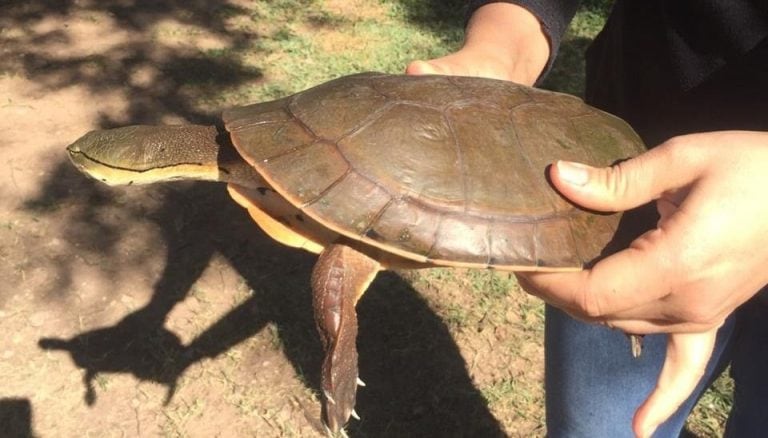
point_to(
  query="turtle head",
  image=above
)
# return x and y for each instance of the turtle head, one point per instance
(97, 154)
(146, 154)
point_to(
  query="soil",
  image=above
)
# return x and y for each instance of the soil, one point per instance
(162, 310)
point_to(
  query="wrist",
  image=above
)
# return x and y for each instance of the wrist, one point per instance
(510, 37)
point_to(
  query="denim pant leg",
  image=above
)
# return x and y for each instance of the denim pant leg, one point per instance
(749, 369)
(594, 385)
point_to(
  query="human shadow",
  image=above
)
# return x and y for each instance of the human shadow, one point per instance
(416, 379)
(196, 221)
(15, 418)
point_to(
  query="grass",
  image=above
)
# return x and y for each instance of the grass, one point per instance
(304, 42)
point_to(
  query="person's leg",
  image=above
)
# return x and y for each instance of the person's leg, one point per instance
(594, 385)
(749, 368)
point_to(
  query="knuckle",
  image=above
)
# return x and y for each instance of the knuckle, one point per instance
(624, 181)
(706, 313)
(686, 273)
(591, 305)
(700, 315)
(616, 180)
(695, 312)
(684, 261)
(681, 149)
(675, 145)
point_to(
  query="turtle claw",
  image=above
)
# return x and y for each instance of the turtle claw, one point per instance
(337, 434)
(341, 405)
(339, 380)
(360, 382)
(354, 415)
(636, 344)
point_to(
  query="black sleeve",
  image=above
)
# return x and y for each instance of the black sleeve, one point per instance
(554, 15)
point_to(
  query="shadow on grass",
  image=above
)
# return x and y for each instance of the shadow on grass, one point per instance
(568, 71)
(444, 18)
(417, 380)
(174, 70)
(437, 15)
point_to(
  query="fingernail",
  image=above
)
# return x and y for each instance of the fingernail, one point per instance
(573, 173)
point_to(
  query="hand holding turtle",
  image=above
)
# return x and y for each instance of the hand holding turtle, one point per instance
(502, 41)
(706, 256)
(708, 253)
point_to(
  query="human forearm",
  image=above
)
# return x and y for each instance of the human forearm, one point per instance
(503, 41)
(511, 34)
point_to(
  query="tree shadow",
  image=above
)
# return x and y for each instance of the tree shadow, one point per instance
(154, 76)
(417, 379)
(435, 15)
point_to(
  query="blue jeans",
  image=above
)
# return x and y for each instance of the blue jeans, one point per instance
(593, 384)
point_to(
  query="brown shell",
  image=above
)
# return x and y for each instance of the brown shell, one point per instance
(445, 170)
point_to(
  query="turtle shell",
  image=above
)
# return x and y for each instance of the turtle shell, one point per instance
(438, 169)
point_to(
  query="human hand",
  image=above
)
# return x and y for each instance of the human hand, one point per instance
(503, 41)
(707, 255)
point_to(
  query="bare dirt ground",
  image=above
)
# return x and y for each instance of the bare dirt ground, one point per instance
(162, 310)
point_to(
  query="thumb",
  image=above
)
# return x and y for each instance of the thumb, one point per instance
(625, 185)
(685, 364)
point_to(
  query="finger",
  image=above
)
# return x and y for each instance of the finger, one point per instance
(628, 184)
(649, 327)
(422, 68)
(666, 208)
(690, 312)
(615, 284)
(685, 364)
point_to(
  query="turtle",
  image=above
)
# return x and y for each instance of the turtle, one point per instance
(376, 171)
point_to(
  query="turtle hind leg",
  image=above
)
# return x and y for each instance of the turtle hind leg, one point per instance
(339, 278)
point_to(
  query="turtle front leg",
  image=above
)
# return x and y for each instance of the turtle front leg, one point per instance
(339, 278)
